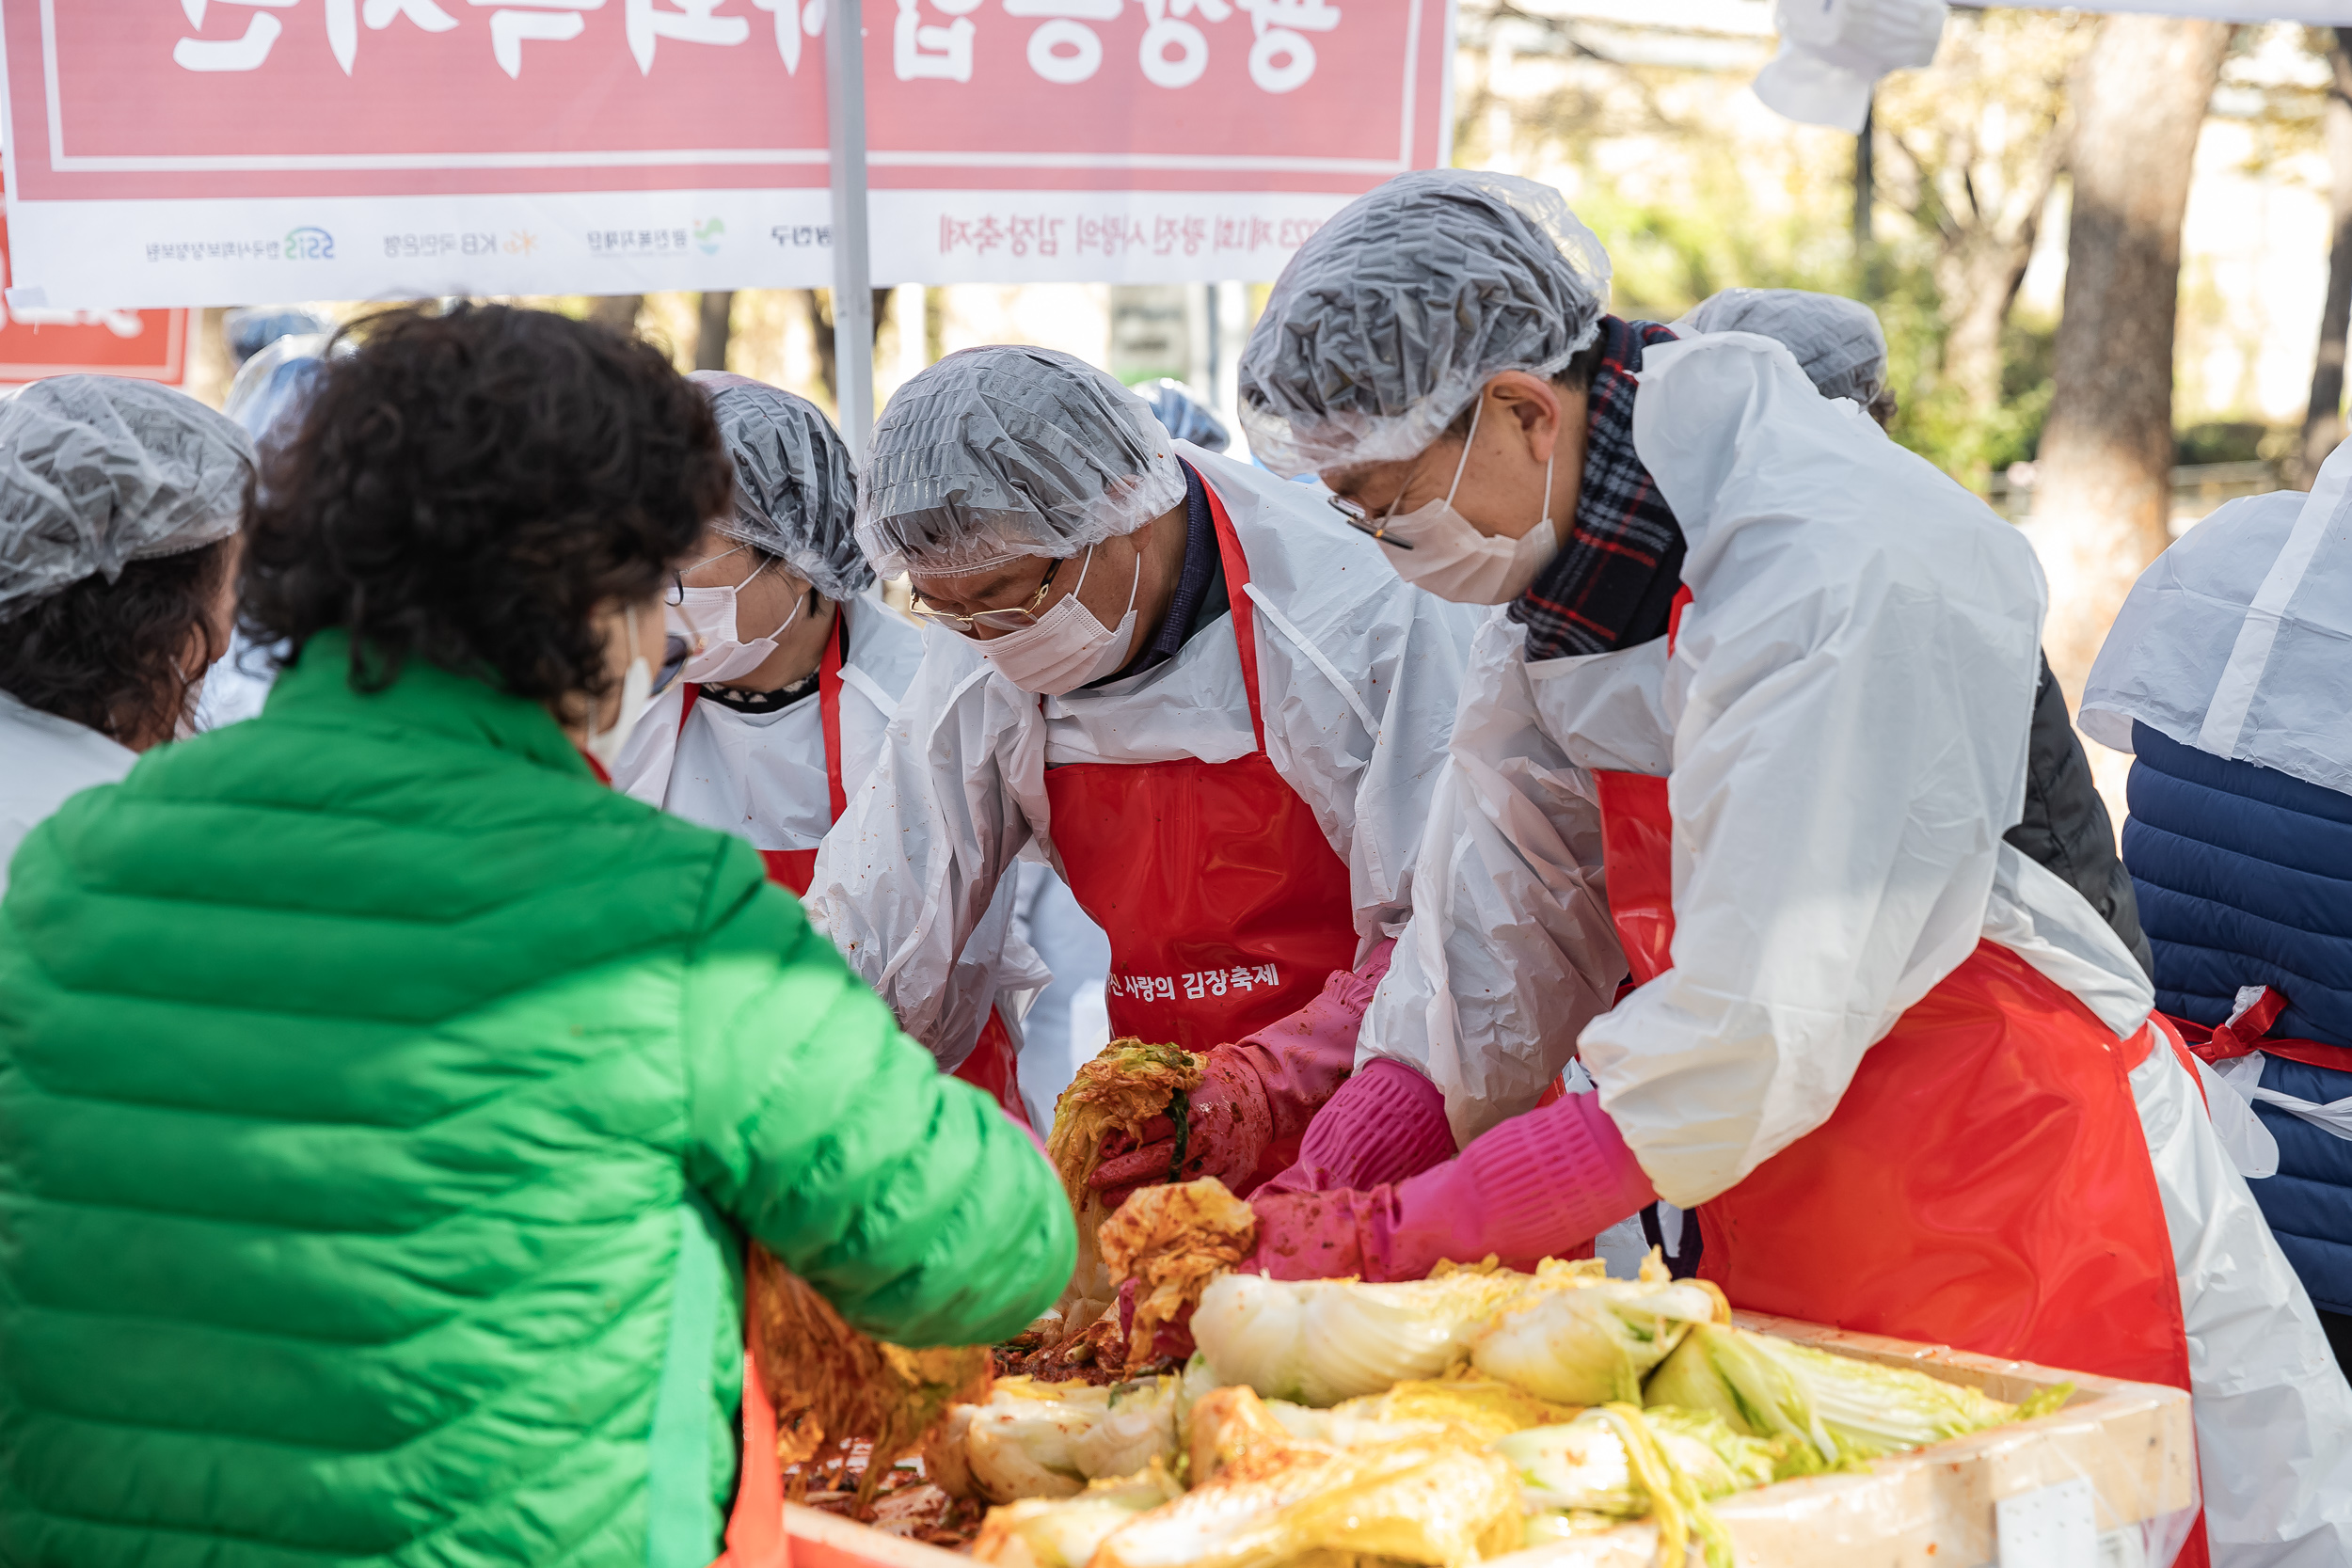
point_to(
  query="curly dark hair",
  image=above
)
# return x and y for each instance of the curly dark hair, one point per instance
(115, 656)
(469, 486)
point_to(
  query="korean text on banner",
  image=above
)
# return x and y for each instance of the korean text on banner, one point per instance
(211, 152)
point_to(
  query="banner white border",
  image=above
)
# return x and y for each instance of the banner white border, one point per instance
(61, 161)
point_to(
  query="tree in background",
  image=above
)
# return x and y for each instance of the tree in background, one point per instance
(2322, 426)
(1978, 141)
(2105, 461)
(714, 318)
(1967, 153)
(617, 311)
(818, 303)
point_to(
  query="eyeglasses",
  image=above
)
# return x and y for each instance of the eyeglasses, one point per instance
(1364, 522)
(676, 651)
(995, 620)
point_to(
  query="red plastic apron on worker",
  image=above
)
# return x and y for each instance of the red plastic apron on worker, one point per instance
(1984, 1181)
(993, 1064)
(1225, 906)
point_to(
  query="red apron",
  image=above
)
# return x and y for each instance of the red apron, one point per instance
(1983, 1182)
(1225, 908)
(993, 1066)
(756, 1537)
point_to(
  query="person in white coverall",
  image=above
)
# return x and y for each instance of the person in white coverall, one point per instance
(1839, 344)
(799, 667)
(1185, 682)
(1747, 728)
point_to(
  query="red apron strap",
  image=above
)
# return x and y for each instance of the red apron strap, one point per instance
(829, 709)
(1637, 846)
(693, 694)
(1238, 596)
(994, 1068)
(1674, 615)
(756, 1537)
(2249, 1030)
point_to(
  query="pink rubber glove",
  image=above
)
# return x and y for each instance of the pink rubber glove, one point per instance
(1536, 1186)
(1385, 1123)
(1256, 1094)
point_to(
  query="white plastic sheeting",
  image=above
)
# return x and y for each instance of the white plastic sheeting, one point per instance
(1359, 676)
(761, 777)
(2274, 1417)
(1844, 722)
(49, 759)
(1833, 53)
(2238, 640)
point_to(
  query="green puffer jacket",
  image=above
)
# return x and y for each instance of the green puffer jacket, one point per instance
(384, 1104)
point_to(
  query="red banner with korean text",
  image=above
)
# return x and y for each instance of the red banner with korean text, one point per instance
(194, 151)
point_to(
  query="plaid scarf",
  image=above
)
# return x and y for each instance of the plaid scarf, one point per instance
(1614, 578)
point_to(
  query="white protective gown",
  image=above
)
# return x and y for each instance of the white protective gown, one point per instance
(1838, 852)
(1358, 676)
(761, 777)
(43, 759)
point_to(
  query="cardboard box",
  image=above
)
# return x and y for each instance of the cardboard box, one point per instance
(1938, 1507)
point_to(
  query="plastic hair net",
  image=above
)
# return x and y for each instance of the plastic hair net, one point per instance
(274, 386)
(1838, 341)
(96, 471)
(795, 491)
(995, 453)
(1397, 312)
(1178, 409)
(252, 328)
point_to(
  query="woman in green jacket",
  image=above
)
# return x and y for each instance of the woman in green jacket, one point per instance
(385, 1104)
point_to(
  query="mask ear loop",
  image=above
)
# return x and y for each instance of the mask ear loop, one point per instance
(1478, 411)
(629, 620)
(799, 602)
(1543, 511)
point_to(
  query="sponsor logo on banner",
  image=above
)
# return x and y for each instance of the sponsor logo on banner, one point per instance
(308, 244)
(410, 247)
(709, 235)
(630, 244)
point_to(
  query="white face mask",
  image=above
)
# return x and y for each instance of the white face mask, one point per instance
(636, 696)
(711, 611)
(1068, 646)
(1450, 558)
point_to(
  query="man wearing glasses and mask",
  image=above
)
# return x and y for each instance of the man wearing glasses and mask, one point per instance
(1189, 685)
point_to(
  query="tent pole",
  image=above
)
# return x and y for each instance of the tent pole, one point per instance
(852, 265)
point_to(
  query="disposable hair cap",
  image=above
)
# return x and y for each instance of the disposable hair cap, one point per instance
(795, 490)
(96, 471)
(1838, 342)
(1395, 313)
(274, 387)
(995, 453)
